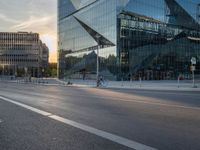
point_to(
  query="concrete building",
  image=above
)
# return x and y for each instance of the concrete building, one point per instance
(148, 39)
(44, 55)
(22, 54)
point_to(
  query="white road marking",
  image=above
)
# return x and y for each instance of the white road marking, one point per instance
(44, 113)
(106, 135)
(1, 121)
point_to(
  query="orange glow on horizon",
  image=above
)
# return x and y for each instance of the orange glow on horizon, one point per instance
(53, 57)
(51, 41)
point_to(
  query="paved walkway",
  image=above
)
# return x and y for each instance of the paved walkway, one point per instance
(183, 85)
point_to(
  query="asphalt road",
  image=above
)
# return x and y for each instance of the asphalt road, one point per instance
(165, 120)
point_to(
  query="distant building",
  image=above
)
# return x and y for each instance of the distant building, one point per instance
(22, 53)
(44, 55)
(148, 39)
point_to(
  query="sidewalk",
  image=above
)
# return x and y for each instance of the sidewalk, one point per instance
(183, 85)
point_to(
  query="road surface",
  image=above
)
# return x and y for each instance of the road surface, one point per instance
(75, 118)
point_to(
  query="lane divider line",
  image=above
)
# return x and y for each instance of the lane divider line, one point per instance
(106, 135)
(41, 112)
(117, 139)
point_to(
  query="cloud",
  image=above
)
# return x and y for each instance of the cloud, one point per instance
(7, 19)
(36, 23)
(46, 27)
(49, 40)
(39, 16)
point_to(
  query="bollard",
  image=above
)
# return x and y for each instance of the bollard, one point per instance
(122, 82)
(140, 82)
(178, 82)
(131, 82)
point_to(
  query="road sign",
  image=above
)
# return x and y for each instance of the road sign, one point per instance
(193, 60)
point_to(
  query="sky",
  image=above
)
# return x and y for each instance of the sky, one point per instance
(38, 16)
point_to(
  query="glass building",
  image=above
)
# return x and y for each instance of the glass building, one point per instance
(152, 40)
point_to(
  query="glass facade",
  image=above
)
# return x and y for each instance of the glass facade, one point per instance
(154, 39)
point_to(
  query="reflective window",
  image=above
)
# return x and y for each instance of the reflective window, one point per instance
(151, 39)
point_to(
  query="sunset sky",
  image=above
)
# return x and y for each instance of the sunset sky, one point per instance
(31, 16)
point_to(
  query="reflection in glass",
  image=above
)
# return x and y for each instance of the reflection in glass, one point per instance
(154, 39)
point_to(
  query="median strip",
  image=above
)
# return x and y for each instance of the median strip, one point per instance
(106, 135)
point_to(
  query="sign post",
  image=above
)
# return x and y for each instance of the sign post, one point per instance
(97, 78)
(178, 81)
(192, 68)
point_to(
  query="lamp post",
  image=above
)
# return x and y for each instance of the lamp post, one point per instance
(97, 77)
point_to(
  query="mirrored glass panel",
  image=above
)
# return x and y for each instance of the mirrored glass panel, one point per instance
(152, 40)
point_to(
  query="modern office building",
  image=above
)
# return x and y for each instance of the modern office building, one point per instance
(151, 39)
(22, 53)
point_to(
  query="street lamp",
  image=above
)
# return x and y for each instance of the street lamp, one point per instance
(97, 77)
